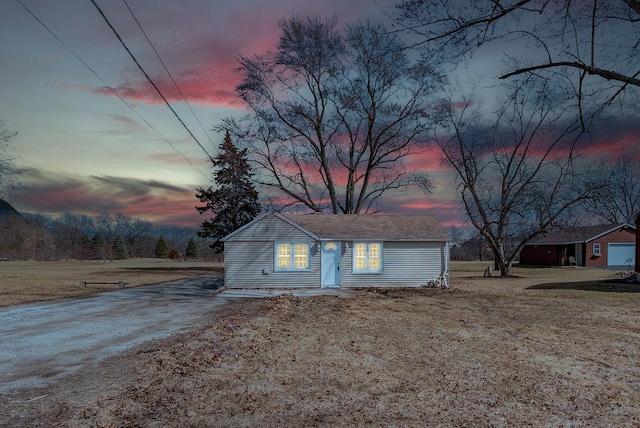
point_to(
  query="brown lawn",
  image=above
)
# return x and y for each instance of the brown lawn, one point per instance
(30, 281)
(525, 351)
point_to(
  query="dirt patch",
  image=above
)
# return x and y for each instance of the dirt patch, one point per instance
(485, 353)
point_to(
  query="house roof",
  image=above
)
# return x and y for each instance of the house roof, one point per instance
(576, 235)
(379, 227)
(366, 227)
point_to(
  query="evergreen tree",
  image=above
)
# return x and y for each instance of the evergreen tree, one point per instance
(192, 249)
(120, 248)
(234, 202)
(100, 246)
(162, 248)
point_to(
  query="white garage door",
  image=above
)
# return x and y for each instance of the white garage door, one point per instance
(620, 253)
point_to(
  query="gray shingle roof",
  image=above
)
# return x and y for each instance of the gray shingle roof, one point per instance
(374, 227)
(577, 234)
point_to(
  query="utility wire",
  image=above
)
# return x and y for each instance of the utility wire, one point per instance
(110, 88)
(149, 78)
(167, 70)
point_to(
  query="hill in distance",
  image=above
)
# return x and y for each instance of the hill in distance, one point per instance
(6, 209)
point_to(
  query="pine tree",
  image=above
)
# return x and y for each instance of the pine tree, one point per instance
(192, 249)
(234, 202)
(120, 248)
(162, 248)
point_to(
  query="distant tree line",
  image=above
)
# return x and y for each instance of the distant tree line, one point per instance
(103, 237)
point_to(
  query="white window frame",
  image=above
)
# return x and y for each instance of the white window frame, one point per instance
(597, 250)
(292, 257)
(368, 257)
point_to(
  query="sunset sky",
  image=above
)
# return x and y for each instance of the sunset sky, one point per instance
(88, 152)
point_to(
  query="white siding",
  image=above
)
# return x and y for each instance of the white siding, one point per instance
(405, 264)
(249, 260)
(270, 228)
(248, 257)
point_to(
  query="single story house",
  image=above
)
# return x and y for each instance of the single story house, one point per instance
(319, 250)
(604, 245)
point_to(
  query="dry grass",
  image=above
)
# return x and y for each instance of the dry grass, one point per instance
(23, 282)
(488, 352)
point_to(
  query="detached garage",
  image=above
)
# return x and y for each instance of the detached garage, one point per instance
(603, 245)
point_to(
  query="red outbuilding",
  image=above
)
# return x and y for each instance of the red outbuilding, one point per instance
(638, 244)
(604, 245)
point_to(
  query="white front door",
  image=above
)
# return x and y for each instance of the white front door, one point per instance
(330, 264)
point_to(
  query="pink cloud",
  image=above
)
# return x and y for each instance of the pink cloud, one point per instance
(201, 48)
(206, 90)
(162, 203)
(429, 160)
(615, 146)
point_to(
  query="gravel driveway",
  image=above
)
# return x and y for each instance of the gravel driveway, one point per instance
(41, 342)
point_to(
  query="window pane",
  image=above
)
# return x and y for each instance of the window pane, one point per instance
(374, 263)
(284, 255)
(374, 250)
(300, 256)
(360, 262)
(374, 256)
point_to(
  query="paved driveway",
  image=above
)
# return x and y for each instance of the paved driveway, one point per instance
(42, 342)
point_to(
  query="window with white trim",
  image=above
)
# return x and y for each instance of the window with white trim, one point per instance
(596, 249)
(291, 256)
(367, 257)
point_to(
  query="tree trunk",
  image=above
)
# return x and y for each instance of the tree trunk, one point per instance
(503, 266)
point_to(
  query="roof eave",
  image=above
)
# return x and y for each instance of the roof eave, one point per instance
(613, 229)
(262, 217)
(386, 239)
(588, 239)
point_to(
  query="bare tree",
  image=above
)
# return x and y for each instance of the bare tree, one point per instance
(9, 172)
(617, 199)
(72, 232)
(332, 117)
(592, 46)
(24, 239)
(134, 231)
(515, 176)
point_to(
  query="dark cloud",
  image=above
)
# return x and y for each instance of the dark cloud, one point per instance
(617, 138)
(53, 194)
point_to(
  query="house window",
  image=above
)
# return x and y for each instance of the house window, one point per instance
(367, 257)
(596, 249)
(292, 256)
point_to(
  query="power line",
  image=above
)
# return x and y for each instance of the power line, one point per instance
(110, 88)
(167, 70)
(149, 78)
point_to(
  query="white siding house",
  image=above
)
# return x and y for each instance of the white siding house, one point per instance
(316, 250)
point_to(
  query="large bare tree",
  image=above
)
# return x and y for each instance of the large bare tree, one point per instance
(591, 46)
(333, 115)
(515, 174)
(617, 199)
